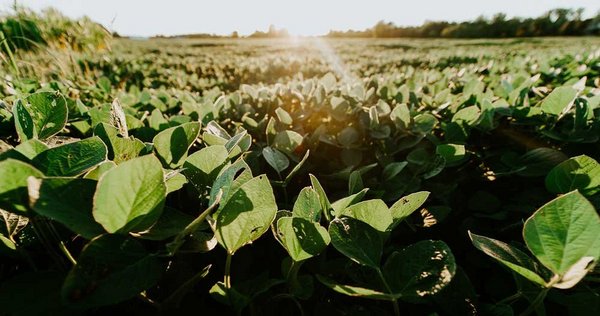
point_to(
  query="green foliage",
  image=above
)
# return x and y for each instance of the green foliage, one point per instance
(128, 178)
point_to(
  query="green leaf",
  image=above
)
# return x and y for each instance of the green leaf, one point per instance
(175, 181)
(340, 205)
(13, 185)
(119, 148)
(406, 206)
(356, 291)
(307, 205)
(100, 170)
(48, 111)
(283, 116)
(421, 269)
(558, 100)
(509, 256)
(229, 296)
(348, 137)
(202, 167)
(400, 115)
(563, 232)
(451, 152)
(581, 173)
(23, 122)
(393, 169)
(246, 215)
(357, 241)
(301, 237)
(424, 123)
(110, 269)
(170, 223)
(287, 141)
(67, 201)
(325, 205)
(71, 159)
(31, 148)
(355, 182)
(130, 197)
(468, 115)
(276, 159)
(172, 144)
(372, 212)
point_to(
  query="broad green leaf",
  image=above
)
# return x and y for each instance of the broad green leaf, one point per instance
(100, 170)
(130, 197)
(581, 173)
(283, 116)
(424, 123)
(67, 201)
(170, 223)
(356, 291)
(307, 205)
(287, 142)
(348, 137)
(357, 241)
(110, 269)
(355, 182)
(276, 159)
(468, 115)
(229, 296)
(406, 206)
(202, 167)
(172, 144)
(558, 100)
(509, 256)
(340, 205)
(451, 152)
(175, 181)
(400, 115)
(119, 148)
(71, 159)
(246, 215)
(421, 269)
(372, 212)
(31, 148)
(23, 122)
(301, 237)
(563, 232)
(48, 111)
(13, 185)
(393, 169)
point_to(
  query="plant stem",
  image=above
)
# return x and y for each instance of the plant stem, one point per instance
(536, 302)
(510, 298)
(389, 290)
(66, 252)
(175, 298)
(227, 277)
(191, 227)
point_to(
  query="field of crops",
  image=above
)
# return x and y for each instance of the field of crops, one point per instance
(301, 177)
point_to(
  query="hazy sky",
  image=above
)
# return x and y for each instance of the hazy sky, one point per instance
(300, 17)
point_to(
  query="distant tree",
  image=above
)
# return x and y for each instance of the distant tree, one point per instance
(555, 22)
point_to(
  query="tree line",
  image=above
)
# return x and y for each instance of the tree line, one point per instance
(556, 22)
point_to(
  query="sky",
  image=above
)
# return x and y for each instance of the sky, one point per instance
(300, 17)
